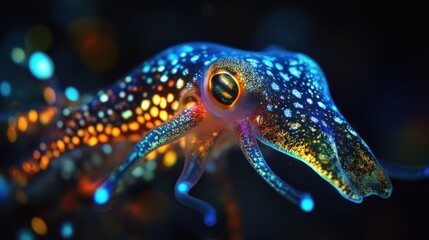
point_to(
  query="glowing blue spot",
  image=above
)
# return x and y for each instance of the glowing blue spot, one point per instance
(313, 119)
(67, 230)
(101, 196)
(41, 66)
(183, 187)
(187, 48)
(268, 62)
(279, 66)
(4, 188)
(284, 76)
(298, 105)
(309, 101)
(270, 108)
(72, 94)
(195, 58)
(321, 105)
(5, 88)
(25, 234)
(185, 72)
(338, 120)
(287, 113)
(146, 68)
(107, 149)
(296, 93)
(274, 86)
(307, 203)
(210, 219)
(104, 97)
(294, 71)
(426, 171)
(164, 78)
(161, 68)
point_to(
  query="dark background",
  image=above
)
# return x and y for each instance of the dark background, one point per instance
(376, 59)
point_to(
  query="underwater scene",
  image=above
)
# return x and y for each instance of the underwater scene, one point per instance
(210, 120)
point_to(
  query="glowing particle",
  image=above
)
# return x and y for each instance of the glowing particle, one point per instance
(39, 226)
(170, 97)
(49, 95)
(154, 111)
(104, 98)
(22, 124)
(33, 115)
(279, 66)
(297, 105)
(145, 104)
(183, 187)
(67, 230)
(107, 149)
(307, 203)
(5, 89)
(274, 86)
(92, 141)
(338, 120)
(11, 134)
(17, 55)
(133, 126)
(72, 94)
(164, 78)
(284, 76)
(287, 113)
(321, 105)
(294, 71)
(195, 58)
(128, 79)
(270, 107)
(25, 234)
(4, 188)
(296, 93)
(146, 68)
(101, 196)
(127, 114)
(41, 66)
(180, 83)
(170, 158)
(268, 62)
(309, 101)
(116, 132)
(137, 172)
(163, 115)
(313, 119)
(156, 99)
(210, 219)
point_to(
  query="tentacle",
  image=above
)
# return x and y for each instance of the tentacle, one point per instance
(405, 173)
(250, 148)
(163, 134)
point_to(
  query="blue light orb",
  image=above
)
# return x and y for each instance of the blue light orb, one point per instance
(41, 65)
(5, 89)
(25, 234)
(67, 230)
(72, 94)
(101, 196)
(307, 203)
(4, 188)
(210, 219)
(183, 187)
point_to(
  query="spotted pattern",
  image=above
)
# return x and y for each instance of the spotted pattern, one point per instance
(283, 102)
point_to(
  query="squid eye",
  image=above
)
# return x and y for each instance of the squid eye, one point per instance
(224, 88)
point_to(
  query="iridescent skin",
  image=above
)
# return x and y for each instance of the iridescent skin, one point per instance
(282, 100)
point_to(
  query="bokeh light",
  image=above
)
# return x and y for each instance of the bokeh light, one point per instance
(72, 94)
(39, 226)
(101, 196)
(4, 188)
(67, 230)
(25, 234)
(17, 55)
(41, 66)
(5, 89)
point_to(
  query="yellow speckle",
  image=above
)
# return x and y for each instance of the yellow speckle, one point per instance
(108, 130)
(149, 125)
(170, 158)
(157, 122)
(75, 140)
(33, 115)
(151, 155)
(49, 95)
(156, 99)
(99, 127)
(124, 127)
(147, 116)
(175, 105)
(103, 138)
(140, 119)
(80, 133)
(180, 83)
(163, 103)
(163, 115)
(92, 141)
(162, 149)
(170, 97)
(11, 135)
(116, 132)
(134, 126)
(154, 111)
(61, 146)
(39, 226)
(22, 124)
(91, 129)
(139, 111)
(145, 104)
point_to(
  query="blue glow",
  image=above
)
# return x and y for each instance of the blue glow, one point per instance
(101, 196)
(426, 171)
(41, 66)
(67, 230)
(25, 234)
(72, 94)
(183, 187)
(4, 188)
(5, 89)
(307, 203)
(210, 219)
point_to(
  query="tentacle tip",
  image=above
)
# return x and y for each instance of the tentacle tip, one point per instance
(101, 195)
(210, 219)
(183, 187)
(307, 203)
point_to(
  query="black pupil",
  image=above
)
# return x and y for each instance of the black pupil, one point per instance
(224, 88)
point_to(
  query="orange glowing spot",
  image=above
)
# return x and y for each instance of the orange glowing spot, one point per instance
(12, 135)
(145, 104)
(75, 140)
(26, 167)
(147, 116)
(116, 132)
(44, 161)
(39, 226)
(70, 146)
(134, 137)
(170, 97)
(157, 122)
(163, 115)
(45, 118)
(159, 88)
(66, 139)
(56, 153)
(86, 186)
(49, 95)
(99, 127)
(80, 132)
(91, 129)
(140, 119)
(163, 103)
(170, 83)
(134, 126)
(170, 158)
(33, 115)
(162, 149)
(139, 111)
(124, 127)
(108, 130)
(36, 154)
(151, 155)
(103, 138)
(92, 141)
(149, 125)
(22, 124)
(175, 105)
(156, 99)
(154, 112)
(61, 145)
